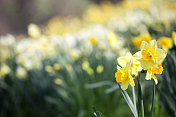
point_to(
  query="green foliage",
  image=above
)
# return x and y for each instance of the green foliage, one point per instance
(167, 89)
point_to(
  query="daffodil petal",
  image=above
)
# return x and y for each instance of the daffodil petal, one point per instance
(156, 81)
(124, 85)
(144, 45)
(153, 44)
(129, 55)
(148, 75)
(146, 64)
(132, 82)
(137, 55)
(122, 61)
(161, 54)
(118, 67)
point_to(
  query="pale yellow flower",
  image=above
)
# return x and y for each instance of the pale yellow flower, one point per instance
(4, 70)
(86, 67)
(150, 55)
(21, 72)
(93, 40)
(58, 81)
(129, 59)
(57, 66)
(174, 37)
(151, 58)
(152, 71)
(34, 31)
(48, 68)
(123, 76)
(99, 69)
(165, 43)
(138, 40)
(112, 39)
(90, 71)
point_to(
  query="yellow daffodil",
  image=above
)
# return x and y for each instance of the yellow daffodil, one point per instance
(4, 70)
(138, 40)
(165, 43)
(152, 71)
(99, 69)
(86, 67)
(174, 37)
(112, 39)
(34, 31)
(134, 64)
(58, 81)
(150, 55)
(123, 76)
(57, 66)
(21, 72)
(151, 58)
(93, 40)
(48, 68)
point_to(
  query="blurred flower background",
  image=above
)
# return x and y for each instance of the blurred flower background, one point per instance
(58, 58)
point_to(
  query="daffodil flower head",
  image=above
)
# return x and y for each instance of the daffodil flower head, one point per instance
(174, 37)
(134, 64)
(123, 76)
(152, 71)
(138, 40)
(150, 55)
(93, 40)
(165, 43)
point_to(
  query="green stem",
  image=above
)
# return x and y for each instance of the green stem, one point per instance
(134, 98)
(140, 100)
(153, 98)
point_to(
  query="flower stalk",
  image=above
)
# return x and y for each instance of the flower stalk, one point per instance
(140, 100)
(153, 99)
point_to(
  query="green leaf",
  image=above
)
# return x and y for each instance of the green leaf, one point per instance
(113, 88)
(99, 84)
(129, 102)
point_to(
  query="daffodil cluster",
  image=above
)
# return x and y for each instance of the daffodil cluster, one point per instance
(149, 58)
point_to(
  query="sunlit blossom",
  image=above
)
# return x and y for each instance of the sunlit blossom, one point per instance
(123, 76)
(165, 43)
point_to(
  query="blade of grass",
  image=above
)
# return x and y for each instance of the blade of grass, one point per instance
(112, 89)
(99, 84)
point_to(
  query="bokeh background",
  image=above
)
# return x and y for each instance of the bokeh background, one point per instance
(58, 57)
(16, 15)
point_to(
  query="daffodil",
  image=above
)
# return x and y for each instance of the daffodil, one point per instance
(165, 43)
(152, 71)
(34, 31)
(129, 59)
(93, 40)
(48, 68)
(138, 40)
(150, 54)
(174, 37)
(151, 58)
(124, 77)
(112, 39)
(21, 72)
(99, 69)
(4, 70)
(57, 66)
